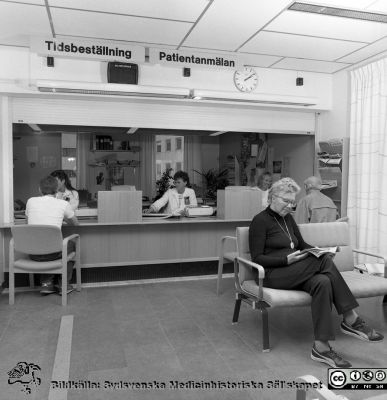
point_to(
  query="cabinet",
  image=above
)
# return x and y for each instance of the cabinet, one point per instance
(333, 160)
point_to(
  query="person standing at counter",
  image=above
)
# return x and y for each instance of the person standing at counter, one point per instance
(47, 209)
(264, 184)
(177, 198)
(65, 189)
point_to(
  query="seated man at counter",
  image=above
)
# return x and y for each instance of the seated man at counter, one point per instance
(315, 206)
(48, 210)
(177, 198)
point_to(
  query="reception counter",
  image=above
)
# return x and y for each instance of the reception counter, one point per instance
(151, 241)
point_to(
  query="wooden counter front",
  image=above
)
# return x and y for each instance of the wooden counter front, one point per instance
(150, 241)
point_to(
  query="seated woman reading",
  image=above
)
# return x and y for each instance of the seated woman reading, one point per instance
(274, 239)
(176, 199)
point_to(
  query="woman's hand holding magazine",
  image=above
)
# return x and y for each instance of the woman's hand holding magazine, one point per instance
(320, 251)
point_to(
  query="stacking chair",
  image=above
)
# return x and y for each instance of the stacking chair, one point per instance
(224, 257)
(41, 239)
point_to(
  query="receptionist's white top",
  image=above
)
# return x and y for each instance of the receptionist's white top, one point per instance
(71, 196)
(174, 201)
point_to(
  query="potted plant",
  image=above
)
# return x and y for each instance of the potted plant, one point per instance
(214, 180)
(164, 183)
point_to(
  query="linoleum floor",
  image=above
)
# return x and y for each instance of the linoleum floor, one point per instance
(175, 331)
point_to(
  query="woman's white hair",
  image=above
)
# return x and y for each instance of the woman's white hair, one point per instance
(283, 186)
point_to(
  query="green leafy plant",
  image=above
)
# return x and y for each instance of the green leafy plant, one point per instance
(164, 183)
(214, 180)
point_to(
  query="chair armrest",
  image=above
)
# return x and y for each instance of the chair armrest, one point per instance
(380, 256)
(259, 268)
(66, 240)
(223, 242)
(321, 389)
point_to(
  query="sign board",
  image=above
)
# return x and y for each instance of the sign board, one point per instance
(193, 59)
(87, 49)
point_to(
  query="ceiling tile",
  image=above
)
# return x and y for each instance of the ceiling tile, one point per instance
(20, 21)
(379, 6)
(367, 52)
(183, 10)
(37, 2)
(118, 27)
(309, 65)
(285, 45)
(229, 23)
(327, 26)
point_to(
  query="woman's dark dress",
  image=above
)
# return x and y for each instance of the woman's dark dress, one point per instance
(270, 246)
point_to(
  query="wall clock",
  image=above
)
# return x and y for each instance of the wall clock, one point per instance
(246, 79)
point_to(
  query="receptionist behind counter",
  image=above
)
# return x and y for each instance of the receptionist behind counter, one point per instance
(176, 199)
(65, 189)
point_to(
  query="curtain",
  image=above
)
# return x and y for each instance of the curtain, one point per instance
(367, 181)
(193, 158)
(148, 165)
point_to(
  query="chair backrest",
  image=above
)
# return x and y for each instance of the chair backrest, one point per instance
(37, 239)
(325, 234)
(242, 235)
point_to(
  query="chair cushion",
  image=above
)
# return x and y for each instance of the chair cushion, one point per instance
(365, 285)
(278, 297)
(28, 265)
(361, 285)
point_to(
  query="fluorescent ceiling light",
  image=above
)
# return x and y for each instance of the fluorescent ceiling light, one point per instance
(338, 12)
(111, 89)
(35, 128)
(130, 131)
(252, 98)
(217, 133)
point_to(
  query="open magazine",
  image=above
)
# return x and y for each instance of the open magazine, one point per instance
(319, 251)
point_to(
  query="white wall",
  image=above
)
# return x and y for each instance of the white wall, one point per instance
(335, 123)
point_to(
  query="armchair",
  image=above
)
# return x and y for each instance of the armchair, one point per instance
(41, 239)
(324, 234)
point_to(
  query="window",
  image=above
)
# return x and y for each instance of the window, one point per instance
(158, 170)
(168, 157)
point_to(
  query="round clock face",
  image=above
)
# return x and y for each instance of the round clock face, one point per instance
(246, 79)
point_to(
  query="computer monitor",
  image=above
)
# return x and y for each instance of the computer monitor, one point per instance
(120, 188)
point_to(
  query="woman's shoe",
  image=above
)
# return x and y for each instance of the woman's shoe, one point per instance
(361, 330)
(329, 357)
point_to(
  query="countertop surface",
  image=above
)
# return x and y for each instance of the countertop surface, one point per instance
(144, 221)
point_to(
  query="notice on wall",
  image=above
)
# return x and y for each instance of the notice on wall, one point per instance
(193, 59)
(87, 49)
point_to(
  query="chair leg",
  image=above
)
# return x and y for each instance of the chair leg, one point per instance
(237, 308)
(64, 288)
(78, 274)
(265, 329)
(31, 280)
(220, 272)
(11, 280)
